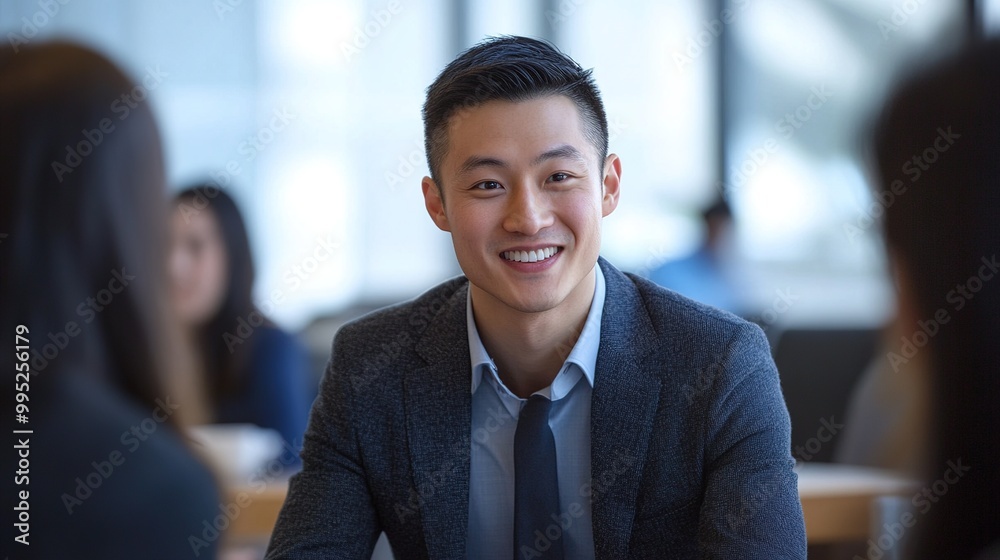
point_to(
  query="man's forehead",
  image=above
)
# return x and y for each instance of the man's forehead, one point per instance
(551, 120)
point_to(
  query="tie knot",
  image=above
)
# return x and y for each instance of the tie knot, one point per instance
(536, 407)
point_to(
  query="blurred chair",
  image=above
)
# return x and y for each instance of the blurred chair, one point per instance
(819, 369)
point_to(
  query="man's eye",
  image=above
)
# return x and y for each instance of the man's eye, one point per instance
(487, 186)
(559, 177)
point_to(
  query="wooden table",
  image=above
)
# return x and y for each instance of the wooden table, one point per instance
(258, 505)
(837, 499)
(836, 502)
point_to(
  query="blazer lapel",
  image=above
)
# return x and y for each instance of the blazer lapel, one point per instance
(438, 405)
(623, 407)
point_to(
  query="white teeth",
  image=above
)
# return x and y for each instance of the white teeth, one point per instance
(530, 256)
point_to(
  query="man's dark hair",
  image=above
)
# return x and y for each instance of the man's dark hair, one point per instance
(509, 68)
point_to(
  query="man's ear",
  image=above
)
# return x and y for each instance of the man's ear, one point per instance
(611, 184)
(434, 204)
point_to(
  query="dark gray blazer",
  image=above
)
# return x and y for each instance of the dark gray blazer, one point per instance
(690, 437)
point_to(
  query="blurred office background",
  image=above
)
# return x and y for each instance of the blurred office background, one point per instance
(307, 112)
(316, 106)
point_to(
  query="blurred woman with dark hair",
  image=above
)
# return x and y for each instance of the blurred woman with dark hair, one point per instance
(255, 372)
(83, 207)
(937, 148)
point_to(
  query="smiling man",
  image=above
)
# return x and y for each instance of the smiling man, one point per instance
(545, 404)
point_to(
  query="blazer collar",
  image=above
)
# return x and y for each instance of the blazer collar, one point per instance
(623, 407)
(438, 407)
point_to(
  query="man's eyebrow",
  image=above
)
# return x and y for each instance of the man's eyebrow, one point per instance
(564, 151)
(475, 162)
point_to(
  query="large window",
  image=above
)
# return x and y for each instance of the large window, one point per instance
(308, 111)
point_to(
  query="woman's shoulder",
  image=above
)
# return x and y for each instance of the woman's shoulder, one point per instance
(109, 462)
(270, 339)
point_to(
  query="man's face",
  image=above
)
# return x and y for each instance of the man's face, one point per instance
(524, 195)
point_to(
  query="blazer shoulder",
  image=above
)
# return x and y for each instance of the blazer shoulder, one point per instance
(402, 322)
(695, 337)
(667, 308)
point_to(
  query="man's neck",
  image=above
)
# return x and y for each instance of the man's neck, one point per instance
(530, 348)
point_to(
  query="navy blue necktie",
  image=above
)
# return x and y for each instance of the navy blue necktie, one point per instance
(537, 532)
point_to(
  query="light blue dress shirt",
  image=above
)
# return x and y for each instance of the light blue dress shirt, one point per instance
(494, 420)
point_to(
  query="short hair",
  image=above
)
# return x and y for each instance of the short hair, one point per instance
(509, 68)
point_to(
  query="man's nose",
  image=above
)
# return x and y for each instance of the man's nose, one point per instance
(527, 211)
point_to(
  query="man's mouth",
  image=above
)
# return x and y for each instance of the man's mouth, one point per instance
(536, 255)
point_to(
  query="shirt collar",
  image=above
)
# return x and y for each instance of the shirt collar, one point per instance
(583, 354)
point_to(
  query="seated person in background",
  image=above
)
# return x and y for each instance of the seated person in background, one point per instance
(888, 415)
(706, 274)
(255, 372)
(544, 405)
(111, 475)
(943, 235)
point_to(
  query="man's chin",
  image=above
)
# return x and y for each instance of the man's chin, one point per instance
(529, 301)
(520, 297)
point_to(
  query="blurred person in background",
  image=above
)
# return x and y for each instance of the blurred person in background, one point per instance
(888, 415)
(84, 210)
(937, 148)
(254, 371)
(706, 275)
